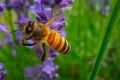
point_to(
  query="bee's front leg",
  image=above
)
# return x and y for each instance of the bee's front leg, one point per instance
(25, 43)
(28, 38)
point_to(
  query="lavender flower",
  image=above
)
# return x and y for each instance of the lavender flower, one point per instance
(48, 66)
(17, 5)
(104, 6)
(45, 71)
(2, 7)
(2, 72)
(3, 29)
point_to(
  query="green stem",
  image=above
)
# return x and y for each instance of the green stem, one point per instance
(10, 21)
(110, 27)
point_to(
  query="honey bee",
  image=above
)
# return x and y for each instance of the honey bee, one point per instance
(41, 33)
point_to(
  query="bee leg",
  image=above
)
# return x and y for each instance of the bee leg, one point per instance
(28, 38)
(27, 44)
(24, 43)
(44, 53)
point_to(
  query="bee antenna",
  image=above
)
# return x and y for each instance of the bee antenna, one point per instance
(14, 31)
(21, 23)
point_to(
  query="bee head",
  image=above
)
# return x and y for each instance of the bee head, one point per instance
(29, 27)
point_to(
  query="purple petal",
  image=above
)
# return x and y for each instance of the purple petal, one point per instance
(50, 59)
(41, 76)
(58, 25)
(38, 7)
(1, 66)
(55, 75)
(19, 35)
(29, 72)
(66, 8)
(63, 33)
(3, 28)
(35, 9)
(48, 66)
(3, 74)
(53, 53)
(22, 18)
(58, 1)
(17, 5)
(53, 4)
(46, 2)
(69, 1)
(63, 4)
(44, 15)
(2, 7)
(40, 19)
(7, 39)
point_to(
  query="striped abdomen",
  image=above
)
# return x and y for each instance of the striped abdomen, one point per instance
(58, 42)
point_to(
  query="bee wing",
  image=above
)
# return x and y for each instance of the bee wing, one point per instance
(54, 20)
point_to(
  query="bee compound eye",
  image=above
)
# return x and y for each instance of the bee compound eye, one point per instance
(29, 28)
